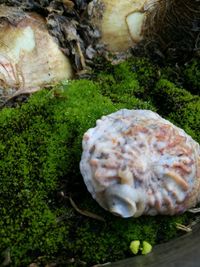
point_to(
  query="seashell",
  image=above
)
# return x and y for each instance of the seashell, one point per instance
(29, 56)
(121, 23)
(135, 162)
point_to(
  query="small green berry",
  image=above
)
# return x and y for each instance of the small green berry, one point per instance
(147, 248)
(134, 246)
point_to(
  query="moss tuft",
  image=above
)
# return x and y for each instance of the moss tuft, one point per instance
(179, 106)
(192, 76)
(129, 82)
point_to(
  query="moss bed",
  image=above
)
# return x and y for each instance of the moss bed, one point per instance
(40, 150)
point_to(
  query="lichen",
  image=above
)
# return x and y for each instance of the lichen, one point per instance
(40, 150)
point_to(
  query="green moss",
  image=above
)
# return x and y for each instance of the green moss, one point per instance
(40, 146)
(40, 150)
(141, 69)
(129, 83)
(192, 76)
(179, 106)
(98, 242)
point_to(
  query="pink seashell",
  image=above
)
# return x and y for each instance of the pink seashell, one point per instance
(134, 162)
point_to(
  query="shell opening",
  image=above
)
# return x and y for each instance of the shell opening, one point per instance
(122, 208)
(124, 201)
(135, 23)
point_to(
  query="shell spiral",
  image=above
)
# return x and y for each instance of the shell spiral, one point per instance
(135, 162)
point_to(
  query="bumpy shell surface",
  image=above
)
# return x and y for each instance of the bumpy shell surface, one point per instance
(29, 56)
(134, 162)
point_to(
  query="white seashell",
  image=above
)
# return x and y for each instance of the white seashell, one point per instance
(121, 23)
(134, 162)
(29, 56)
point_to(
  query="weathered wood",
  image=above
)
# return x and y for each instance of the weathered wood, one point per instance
(181, 252)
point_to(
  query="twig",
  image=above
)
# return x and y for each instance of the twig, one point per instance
(183, 227)
(85, 212)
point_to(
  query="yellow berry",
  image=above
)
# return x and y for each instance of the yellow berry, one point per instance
(134, 246)
(147, 248)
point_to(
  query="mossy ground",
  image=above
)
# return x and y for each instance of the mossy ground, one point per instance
(40, 150)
